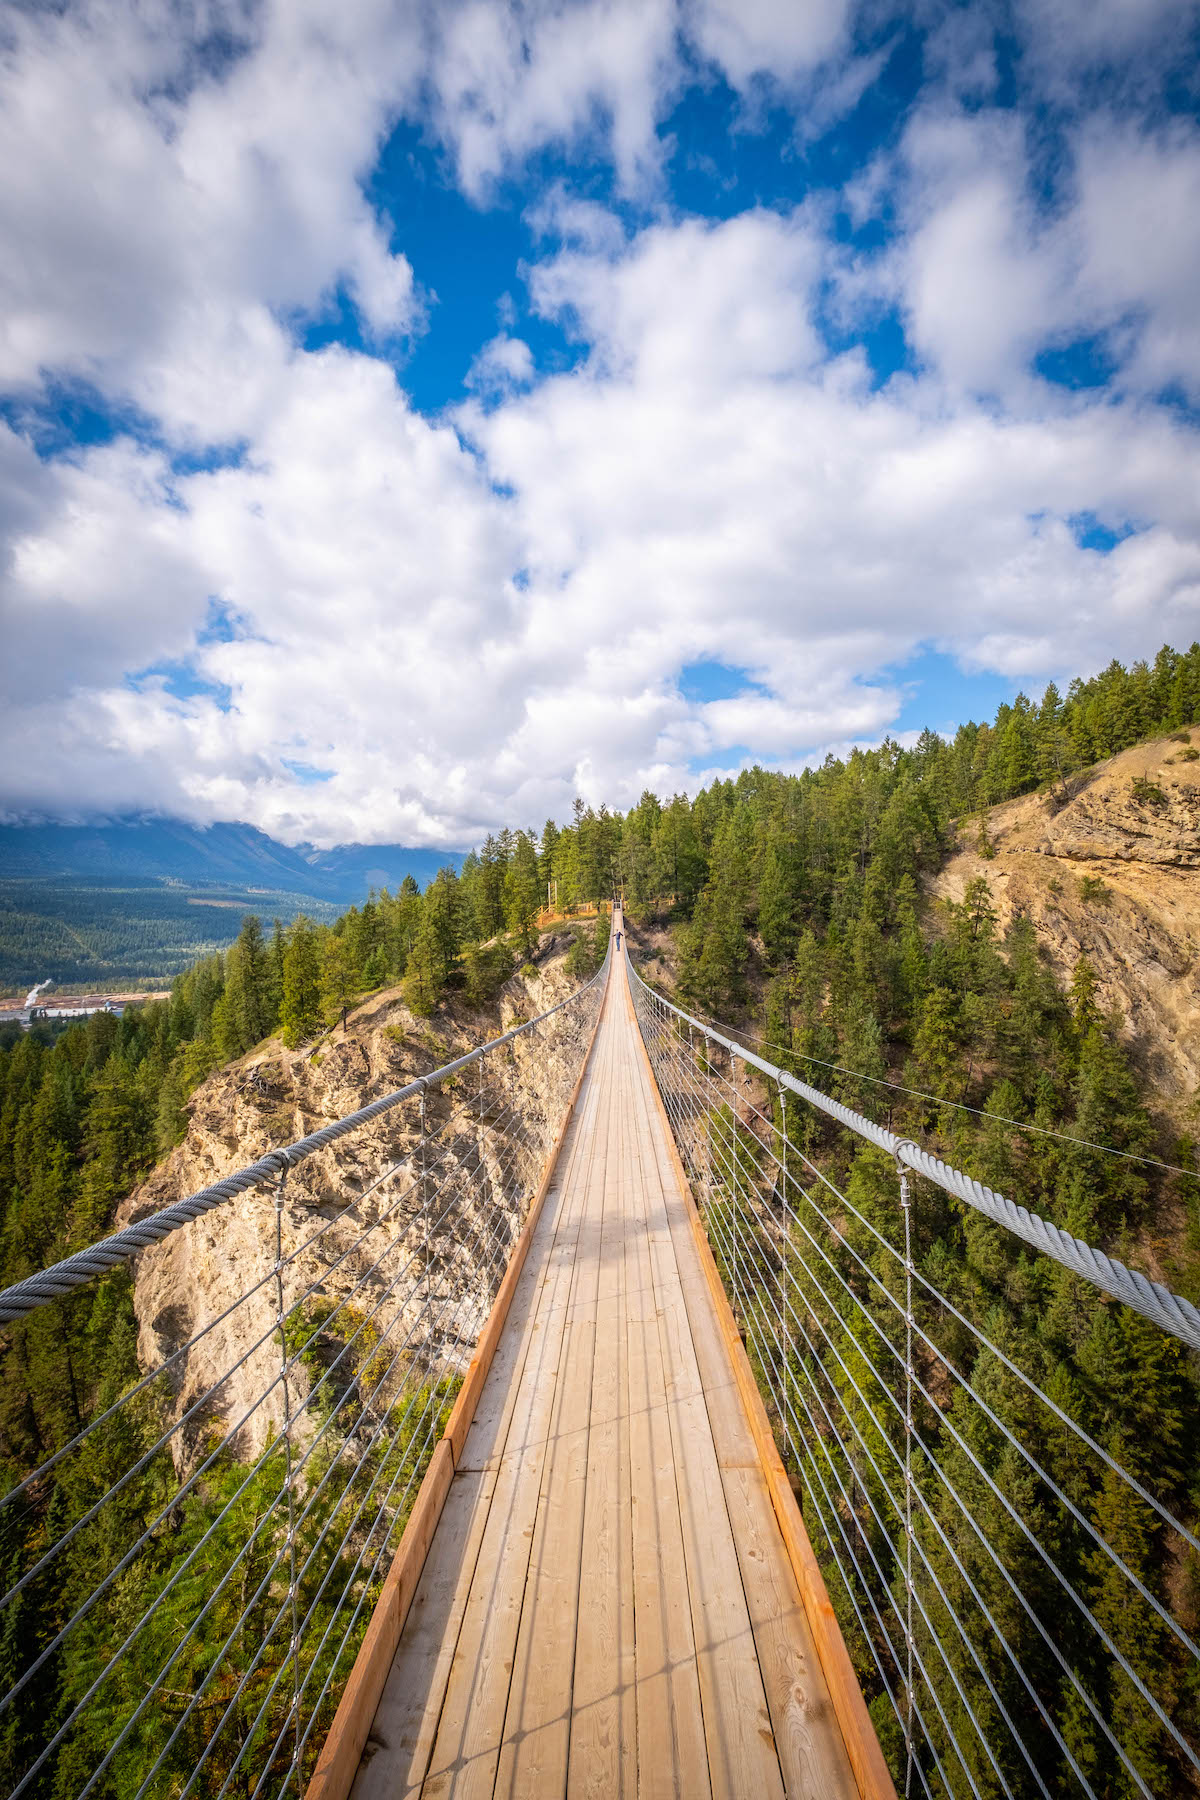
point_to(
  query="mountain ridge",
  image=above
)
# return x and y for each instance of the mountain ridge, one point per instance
(159, 848)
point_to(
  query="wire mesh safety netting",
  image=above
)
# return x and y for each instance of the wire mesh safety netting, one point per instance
(189, 1575)
(1006, 1533)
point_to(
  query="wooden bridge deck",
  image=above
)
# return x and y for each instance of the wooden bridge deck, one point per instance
(607, 1607)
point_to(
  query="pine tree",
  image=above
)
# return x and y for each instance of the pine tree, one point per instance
(339, 977)
(1017, 749)
(425, 977)
(252, 960)
(601, 933)
(400, 918)
(300, 1010)
(777, 901)
(546, 854)
(522, 891)
(716, 947)
(936, 1043)
(489, 911)
(1055, 757)
(224, 1029)
(1085, 1008)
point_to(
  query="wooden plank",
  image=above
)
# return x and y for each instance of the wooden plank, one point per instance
(396, 1755)
(807, 1738)
(470, 1732)
(602, 1761)
(802, 1716)
(409, 1713)
(614, 1575)
(741, 1746)
(467, 1399)
(485, 1441)
(536, 1738)
(671, 1751)
(342, 1750)
(871, 1772)
(334, 1773)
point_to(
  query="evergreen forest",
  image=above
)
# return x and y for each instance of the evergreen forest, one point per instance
(93, 935)
(795, 903)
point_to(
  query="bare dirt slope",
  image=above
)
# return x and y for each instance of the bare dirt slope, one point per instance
(1133, 826)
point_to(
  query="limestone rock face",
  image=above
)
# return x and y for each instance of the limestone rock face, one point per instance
(1114, 875)
(357, 1220)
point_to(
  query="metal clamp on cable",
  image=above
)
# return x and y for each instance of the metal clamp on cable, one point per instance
(904, 1168)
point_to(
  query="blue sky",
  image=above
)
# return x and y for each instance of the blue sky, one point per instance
(413, 417)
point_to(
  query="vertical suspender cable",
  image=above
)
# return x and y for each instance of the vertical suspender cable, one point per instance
(281, 1310)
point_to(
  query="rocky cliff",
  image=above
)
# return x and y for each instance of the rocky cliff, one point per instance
(358, 1218)
(1110, 870)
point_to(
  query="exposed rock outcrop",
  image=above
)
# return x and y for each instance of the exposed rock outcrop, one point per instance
(461, 1195)
(1114, 875)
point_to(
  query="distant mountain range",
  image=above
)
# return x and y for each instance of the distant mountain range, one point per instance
(229, 855)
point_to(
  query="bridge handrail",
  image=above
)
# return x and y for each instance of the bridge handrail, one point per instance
(247, 1490)
(1150, 1298)
(51, 1283)
(884, 1423)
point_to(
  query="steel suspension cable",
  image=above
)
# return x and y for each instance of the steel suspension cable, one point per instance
(446, 1322)
(729, 1159)
(1156, 1302)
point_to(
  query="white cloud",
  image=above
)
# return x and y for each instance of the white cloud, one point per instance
(503, 364)
(507, 82)
(1140, 41)
(980, 281)
(469, 620)
(159, 236)
(751, 38)
(681, 309)
(989, 275)
(732, 500)
(1139, 226)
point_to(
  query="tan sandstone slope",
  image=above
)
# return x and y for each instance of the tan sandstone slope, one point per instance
(1133, 826)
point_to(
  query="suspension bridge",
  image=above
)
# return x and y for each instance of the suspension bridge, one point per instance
(574, 1434)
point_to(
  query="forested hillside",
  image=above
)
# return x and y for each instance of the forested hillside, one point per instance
(94, 936)
(796, 899)
(138, 900)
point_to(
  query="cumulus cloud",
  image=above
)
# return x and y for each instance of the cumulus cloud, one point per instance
(503, 364)
(507, 81)
(752, 38)
(467, 633)
(1138, 225)
(168, 216)
(990, 272)
(980, 276)
(467, 619)
(1140, 43)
